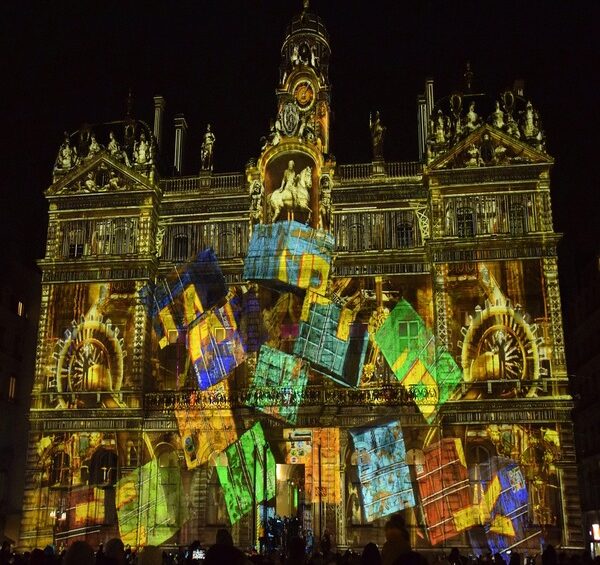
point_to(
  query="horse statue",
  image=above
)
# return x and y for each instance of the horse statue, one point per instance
(294, 194)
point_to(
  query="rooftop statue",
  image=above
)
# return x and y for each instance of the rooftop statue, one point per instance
(472, 118)
(94, 147)
(142, 154)
(377, 136)
(67, 156)
(498, 117)
(206, 151)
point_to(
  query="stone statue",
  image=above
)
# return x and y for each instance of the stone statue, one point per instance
(511, 127)
(94, 147)
(90, 182)
(472, 118)
(293, 194)
(142, 152)
(257, 191)
(440, 128)
(325, 203)
(206, 151)
(498, 117)
(289, 177)
(474, 160)
(67, 156)
(113, 147)
(529, 128)
(114, 182)
(487, 151)
(158, 242)
(377, 136)
(295, 55)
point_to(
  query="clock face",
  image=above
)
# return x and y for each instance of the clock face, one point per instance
(304, 93)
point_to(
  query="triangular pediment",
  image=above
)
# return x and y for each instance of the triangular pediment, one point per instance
(102, 173)
(485, 147)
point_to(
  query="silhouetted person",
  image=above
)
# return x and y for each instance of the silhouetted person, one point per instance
(549, 556)
(515, 558)
(370, 555)
(397, 540)
(296, 551)
(79, 553)
(223, 551)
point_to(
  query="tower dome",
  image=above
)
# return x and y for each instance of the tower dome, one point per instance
(306, 43)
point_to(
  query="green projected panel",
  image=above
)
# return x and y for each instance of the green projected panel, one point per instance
(278, 384)
(423, 366)
(249, 463)
(149, 503)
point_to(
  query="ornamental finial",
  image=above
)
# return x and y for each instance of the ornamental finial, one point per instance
(305, 3)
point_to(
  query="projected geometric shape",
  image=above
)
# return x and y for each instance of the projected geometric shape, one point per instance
(86, 507)
(331, 341)
(178, 299)
(214, 344)
(206, 431)
(278, 385)
(503, 505)
(243, 478)
(444, 488)
(150, 504)
(425, 368)
(289, 253)
(384, 475)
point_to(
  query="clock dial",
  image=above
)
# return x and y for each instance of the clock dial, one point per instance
(304, 93)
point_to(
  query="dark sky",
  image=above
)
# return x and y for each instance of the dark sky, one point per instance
(65, 63)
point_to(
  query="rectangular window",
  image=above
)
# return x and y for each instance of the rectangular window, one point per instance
(20, 309)
(12, 388)
(407, 332)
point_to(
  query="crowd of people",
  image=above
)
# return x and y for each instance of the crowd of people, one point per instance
(292, 551)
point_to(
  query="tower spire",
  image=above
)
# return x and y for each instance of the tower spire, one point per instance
(305, 4)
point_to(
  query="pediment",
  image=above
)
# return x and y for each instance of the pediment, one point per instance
(487, 147)
(102, 173)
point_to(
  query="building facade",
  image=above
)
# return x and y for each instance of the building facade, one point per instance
(342, 341)
(585, 370)
(19, 312)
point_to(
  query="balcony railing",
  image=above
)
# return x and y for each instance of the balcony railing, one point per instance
(221, 182)
(364, 171)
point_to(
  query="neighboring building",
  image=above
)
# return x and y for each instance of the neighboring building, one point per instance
(19, 313)
(585, 382)
(424, 370)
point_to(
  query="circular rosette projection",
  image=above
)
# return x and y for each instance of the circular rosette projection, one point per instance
(89, 357)
(501, 347)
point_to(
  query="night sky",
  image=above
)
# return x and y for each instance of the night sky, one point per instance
(65, 63)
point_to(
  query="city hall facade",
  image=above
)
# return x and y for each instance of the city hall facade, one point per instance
(304, 338)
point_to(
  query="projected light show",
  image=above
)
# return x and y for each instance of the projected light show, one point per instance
(331, 344)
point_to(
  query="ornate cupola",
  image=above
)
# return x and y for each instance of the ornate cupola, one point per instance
(303, 94)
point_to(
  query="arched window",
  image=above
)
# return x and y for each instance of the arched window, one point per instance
(480, 471)
(465, 222)
(404, 235)
(76, 241)
(103, 468)
(226, 242)
(180, 247)
(517, 220)
(60, 469)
